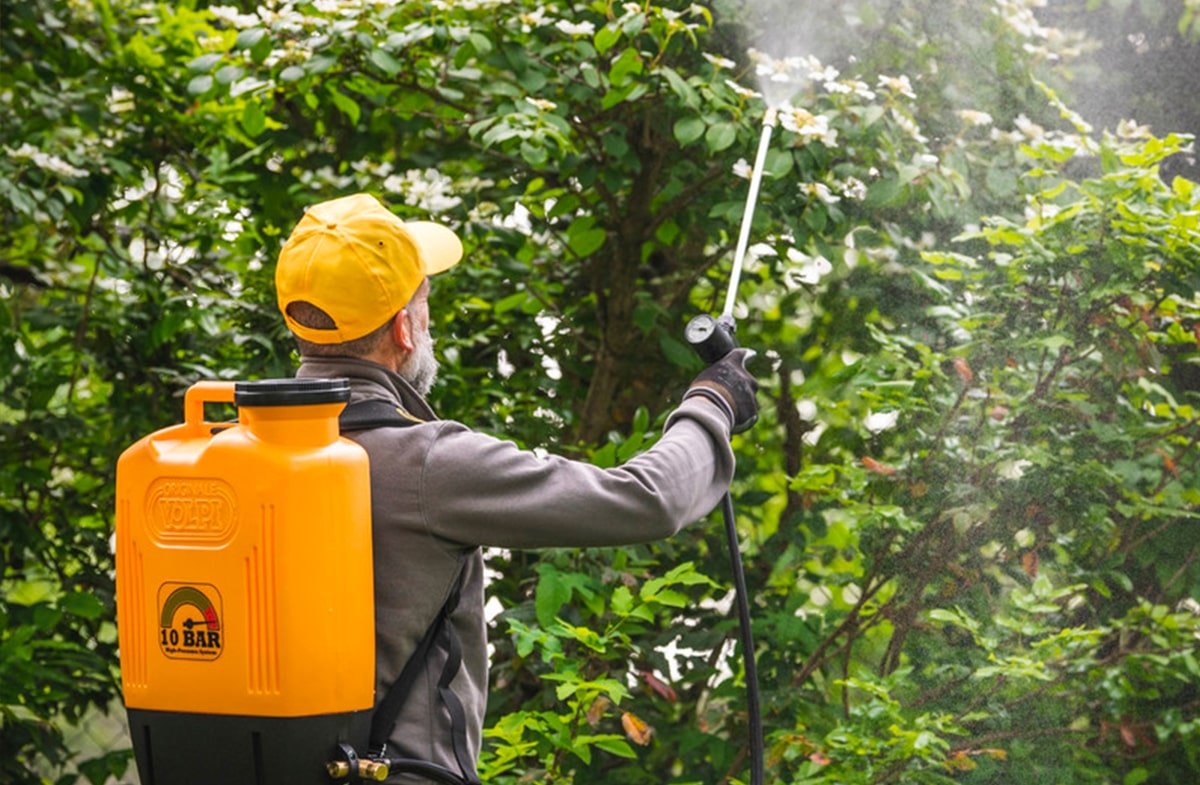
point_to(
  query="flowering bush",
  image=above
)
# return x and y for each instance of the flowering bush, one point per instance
(964, 509)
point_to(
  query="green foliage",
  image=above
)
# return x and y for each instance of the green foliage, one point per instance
(1030, 508)
(966, 510)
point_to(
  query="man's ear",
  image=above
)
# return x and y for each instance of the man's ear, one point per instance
(401, 332)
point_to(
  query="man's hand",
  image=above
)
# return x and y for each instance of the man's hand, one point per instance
(727, 382)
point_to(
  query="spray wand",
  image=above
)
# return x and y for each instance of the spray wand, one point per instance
(713, 338)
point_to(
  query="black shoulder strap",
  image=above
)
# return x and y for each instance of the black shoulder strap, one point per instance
(362, 416)
(383, 722)
(374, 413)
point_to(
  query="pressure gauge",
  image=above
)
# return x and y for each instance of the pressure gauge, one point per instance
(711, 338)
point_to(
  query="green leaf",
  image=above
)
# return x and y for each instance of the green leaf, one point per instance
(319, 64)
(677, 352)
(1136, 776)
(583, 236)
(681, 88)
(200, 85)
(689, 129)
(605, 37)
(615, 745)
(249, 38)
(291, 74)
(887, 192)
(82, 604)
(629, 63)
(535, 155)
(384, 61)
(346, 105)
(228, 74)
(261, 49)
(621, 601)
(205, 63)
(779, 163)
(720, 136)
(483, 44)
(553, 591)
(510, 302)
(254, 120)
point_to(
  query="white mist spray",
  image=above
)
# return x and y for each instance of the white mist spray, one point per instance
(779, 31)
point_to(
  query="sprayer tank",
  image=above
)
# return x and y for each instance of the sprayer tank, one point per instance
(244, 587)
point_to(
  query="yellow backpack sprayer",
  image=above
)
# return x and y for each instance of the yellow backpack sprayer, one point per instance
(245, 599)
(240, 547)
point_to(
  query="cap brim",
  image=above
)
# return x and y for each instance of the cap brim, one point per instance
(440, 246)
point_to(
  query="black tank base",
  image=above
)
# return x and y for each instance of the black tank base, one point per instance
(174, 748)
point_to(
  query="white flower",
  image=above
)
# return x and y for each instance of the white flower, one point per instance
(23, 153)
(56, 165)
(820, 191)
(909, 125)
(1006, 137)
(230, 14)
(1018, 14)
(718, 61)
(744, 92)
(853, 188)
(821, 73)
(575, 28)
(880, 421)
(246, 85)
(759, 250)
(974, 118)
(847, 86)
(1037, 212)
(46, 161)
(861, 89)
(533, 19)
(1129, 129)
(743, 169)
(805, 270)
(1030, 129)
(776, 70)
(427, 189)
(1012, 470)
(120, 100)
(542, 104)
(897, 84)
(806, 124)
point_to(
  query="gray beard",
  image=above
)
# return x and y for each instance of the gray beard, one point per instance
(420, 368)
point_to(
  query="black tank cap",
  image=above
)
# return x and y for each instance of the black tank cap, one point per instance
(291, 392)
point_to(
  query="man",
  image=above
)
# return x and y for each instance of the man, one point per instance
(352, 284)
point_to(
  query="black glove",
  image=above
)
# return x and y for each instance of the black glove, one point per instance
(728, 383)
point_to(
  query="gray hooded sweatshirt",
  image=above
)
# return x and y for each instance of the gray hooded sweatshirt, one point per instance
(440, 490)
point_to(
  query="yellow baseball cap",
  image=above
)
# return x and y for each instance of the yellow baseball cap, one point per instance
(359, 263)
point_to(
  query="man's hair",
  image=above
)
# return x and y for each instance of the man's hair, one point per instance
(310, 315)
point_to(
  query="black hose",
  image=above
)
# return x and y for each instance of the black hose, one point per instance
(746, 635)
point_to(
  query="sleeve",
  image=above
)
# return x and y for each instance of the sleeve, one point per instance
(478, 490)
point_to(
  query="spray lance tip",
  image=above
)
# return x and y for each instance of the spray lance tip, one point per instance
(770, 117)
